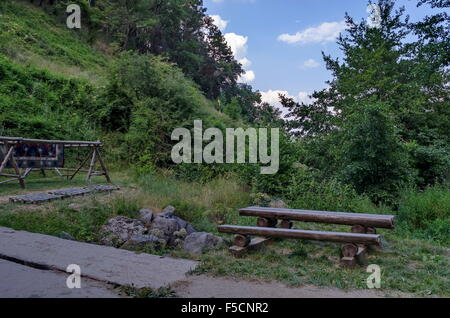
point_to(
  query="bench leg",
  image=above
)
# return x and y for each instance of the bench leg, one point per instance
(242, 240)
(286, 224)
(255, 243)
(265, 222)
(349, 252)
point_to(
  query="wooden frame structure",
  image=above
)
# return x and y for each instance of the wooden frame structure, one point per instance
(94, 155)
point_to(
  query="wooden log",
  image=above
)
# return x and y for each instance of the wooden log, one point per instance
(264, 222)
(344, 218)
(301, 234)
(349, 250)
(255, 243)
(348, 262)
(242, 240)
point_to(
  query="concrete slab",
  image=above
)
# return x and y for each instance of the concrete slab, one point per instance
(106, 264)
(18, 281)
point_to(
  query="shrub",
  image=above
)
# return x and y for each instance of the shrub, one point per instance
(424, 210)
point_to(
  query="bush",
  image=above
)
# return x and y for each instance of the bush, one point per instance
(432, 163)
(147, 98)
(424, 210)
(372, 157)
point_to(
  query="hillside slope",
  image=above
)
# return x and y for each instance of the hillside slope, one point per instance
(65, 85)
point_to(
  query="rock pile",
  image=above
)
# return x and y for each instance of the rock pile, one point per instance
(156, 231)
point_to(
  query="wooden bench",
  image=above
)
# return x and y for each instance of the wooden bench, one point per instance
(363, 231)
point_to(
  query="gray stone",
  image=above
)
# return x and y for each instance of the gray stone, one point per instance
(143, 241)
(120, 229)
(181, 223)
(278, 204)
(200, 242)
(190, 229)
(101, 263)
(146, 216)
(165, 227)
(181, 234)
(168, 212)
(66, 236)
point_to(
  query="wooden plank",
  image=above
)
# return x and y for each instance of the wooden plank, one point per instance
(343, 218)
(8, 181)
(367, 239)
(55, 142)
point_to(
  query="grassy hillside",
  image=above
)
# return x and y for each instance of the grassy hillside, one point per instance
(31, 36)
(67, 85)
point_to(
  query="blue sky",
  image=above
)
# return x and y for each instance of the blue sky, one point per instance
(291, 63)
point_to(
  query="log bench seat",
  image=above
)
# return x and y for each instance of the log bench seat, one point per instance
(363, 231)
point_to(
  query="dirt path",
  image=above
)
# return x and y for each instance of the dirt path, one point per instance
(213, 287)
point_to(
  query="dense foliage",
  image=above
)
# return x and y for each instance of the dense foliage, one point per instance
(384, 120)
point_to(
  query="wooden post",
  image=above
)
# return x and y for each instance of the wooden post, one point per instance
(102, 164)
(16, 168)
(5, 161)
(10, 157)
(92, 164)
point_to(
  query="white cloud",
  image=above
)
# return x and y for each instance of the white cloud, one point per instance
(326, 32)
(311, 63)
(247, 77)
(219, 22)
(245, 62)
(238, 45)
(272, 97)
